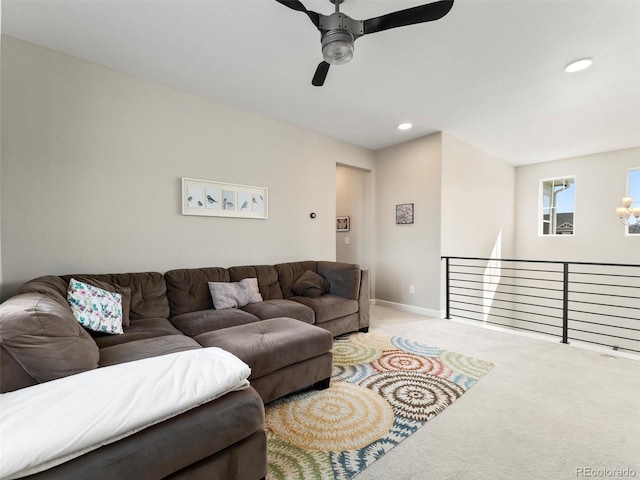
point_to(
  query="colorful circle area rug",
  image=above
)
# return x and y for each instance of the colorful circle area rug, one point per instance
(382, 390)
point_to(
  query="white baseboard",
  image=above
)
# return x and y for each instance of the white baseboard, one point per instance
(408, 308)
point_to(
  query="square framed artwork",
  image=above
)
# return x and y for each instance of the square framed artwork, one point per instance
(218, 199)
(404, 213)
(343, 224)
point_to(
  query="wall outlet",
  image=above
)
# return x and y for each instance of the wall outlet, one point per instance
(412, 289)
(347, 240)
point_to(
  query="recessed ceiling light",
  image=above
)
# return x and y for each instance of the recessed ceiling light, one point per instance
(405, 126)
(578, 65)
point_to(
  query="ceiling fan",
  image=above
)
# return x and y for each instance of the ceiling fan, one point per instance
(339, 31)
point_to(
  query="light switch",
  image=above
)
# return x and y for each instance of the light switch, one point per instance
(347, 240)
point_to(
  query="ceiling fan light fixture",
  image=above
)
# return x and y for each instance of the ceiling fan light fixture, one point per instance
(337, 47)
(578, 65)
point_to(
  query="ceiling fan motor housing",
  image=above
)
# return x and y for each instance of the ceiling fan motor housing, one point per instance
(340, 21)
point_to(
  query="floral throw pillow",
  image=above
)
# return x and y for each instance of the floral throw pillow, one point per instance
(94, 308)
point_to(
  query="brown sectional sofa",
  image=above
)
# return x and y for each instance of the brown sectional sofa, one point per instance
(40, 341)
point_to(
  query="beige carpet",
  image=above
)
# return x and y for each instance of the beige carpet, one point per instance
(546, 411)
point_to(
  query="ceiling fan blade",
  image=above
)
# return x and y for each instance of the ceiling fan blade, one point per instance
(298, 6)
(321, 74)
(410, 16)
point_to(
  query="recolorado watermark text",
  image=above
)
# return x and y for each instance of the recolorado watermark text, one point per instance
(605, 472)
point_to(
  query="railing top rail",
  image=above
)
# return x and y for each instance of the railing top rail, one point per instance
(556, 262)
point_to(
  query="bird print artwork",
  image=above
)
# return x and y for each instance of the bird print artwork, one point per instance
(194, 197)
(257, 202)
(208, 198)
(244, 199)
(229, 200)
(212, 196)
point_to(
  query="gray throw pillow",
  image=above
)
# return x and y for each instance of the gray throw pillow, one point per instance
(310, 284)
(234, 294)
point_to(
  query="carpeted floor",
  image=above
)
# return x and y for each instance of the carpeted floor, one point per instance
(383, 389)
(546, 411)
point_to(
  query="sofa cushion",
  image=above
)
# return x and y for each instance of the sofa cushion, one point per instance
(288, 273)
(234, 294)
(281, 308)
(270, 345)
(187, 288)
(147, 348)
(94, 308)
(267, 276)
(50, 285)
(138, 330)
(148, 292)
(195, 323)
(310, 284)
(344, 278)
(44, 338)
(328, 307)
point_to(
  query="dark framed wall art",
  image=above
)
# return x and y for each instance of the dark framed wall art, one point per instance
(343, 224)
(404, 213)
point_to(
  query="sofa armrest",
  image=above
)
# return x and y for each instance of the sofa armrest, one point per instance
(344, 278)
(363, 301)
(74, 415)
(43, 340)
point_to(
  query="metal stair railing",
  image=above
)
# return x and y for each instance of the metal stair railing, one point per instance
(591, 302)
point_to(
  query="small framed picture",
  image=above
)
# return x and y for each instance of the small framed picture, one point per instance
(342, 224)
(404, 213)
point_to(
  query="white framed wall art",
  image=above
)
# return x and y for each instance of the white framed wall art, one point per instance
(219, 199)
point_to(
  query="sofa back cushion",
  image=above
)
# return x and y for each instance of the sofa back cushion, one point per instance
(56, 288)
(43, 340)
(267, 276)
(289, 273)
(148, 291)
(344, 278)
(188, 288)
(50, 285)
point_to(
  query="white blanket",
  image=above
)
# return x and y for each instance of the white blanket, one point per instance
(50, 423)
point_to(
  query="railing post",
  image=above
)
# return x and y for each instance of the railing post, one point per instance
(565, 304)
(446, 263)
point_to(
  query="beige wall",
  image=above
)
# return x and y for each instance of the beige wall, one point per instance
(463, 207)
(477, 202)
(409, 254)
(91, 167)
(90, 180)
(599, 235)
(354, 199)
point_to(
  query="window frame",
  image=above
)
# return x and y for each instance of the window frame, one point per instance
(541, 206)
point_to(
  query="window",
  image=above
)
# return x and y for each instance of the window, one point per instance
(634, 192)
(557, 206)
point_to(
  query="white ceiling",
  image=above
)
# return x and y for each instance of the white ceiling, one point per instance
(490, 73)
